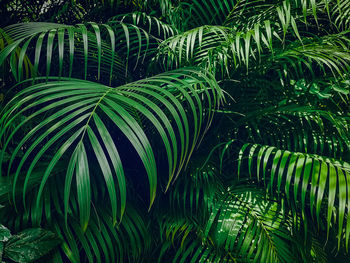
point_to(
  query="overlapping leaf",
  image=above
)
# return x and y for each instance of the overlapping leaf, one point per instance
(244, 226)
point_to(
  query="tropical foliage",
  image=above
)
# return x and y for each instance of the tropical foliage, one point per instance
(27, 246)
(175, 130)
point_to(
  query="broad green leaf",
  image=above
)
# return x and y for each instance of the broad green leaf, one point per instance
(30, 245)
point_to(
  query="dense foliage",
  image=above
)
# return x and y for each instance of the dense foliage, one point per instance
(175, 130)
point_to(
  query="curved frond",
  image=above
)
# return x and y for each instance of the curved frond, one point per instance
(102, 241)
(328, 54)
(305, 180)
(341, 14)
(73, 115)
(193, 193)
(63, 44)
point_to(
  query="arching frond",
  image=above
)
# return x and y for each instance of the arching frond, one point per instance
(102, 241)
(341, 14)
(269, 40)
(73, 43)
(329, 54)
(191, 47)
(86, 109)
(5, 40)
(103, 115)
(245, 221)
(305, 180)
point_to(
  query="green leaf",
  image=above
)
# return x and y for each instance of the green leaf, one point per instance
(318, 178)
(5, 233)
(74, 116)
(30, 245)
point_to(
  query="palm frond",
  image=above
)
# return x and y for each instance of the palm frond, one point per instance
(307, 11)
(149, 23)
(104, 115)
(244, 226)
(246, 222)
(299, 129)
(193, 193)
(301, 177)
(225, 48)
(341, 14)
(103, 241)
(80, 114)
(5, 40)
(323, 55)
(73, 43)
(78, 43)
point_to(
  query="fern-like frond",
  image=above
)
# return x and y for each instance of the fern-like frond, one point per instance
(102, 241)
(73, 115)
(103, 49)
(193, 193)
(329, 54)
(73, 43)
(306, 180)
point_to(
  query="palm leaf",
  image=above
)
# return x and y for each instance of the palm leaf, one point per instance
(256, 228)
(243, 227)
(73, 43)
(103, 241)
(299, 129)
(74, 108)
(303, 177)
(149, 23)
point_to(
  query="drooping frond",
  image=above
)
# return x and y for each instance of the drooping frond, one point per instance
(73, 43)
(103, 116)
(216, 48)
(245, 221)
(306, 180)
(177, 104)
(103, 241)
(341, 15)
(103, 49)
(321, 56)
